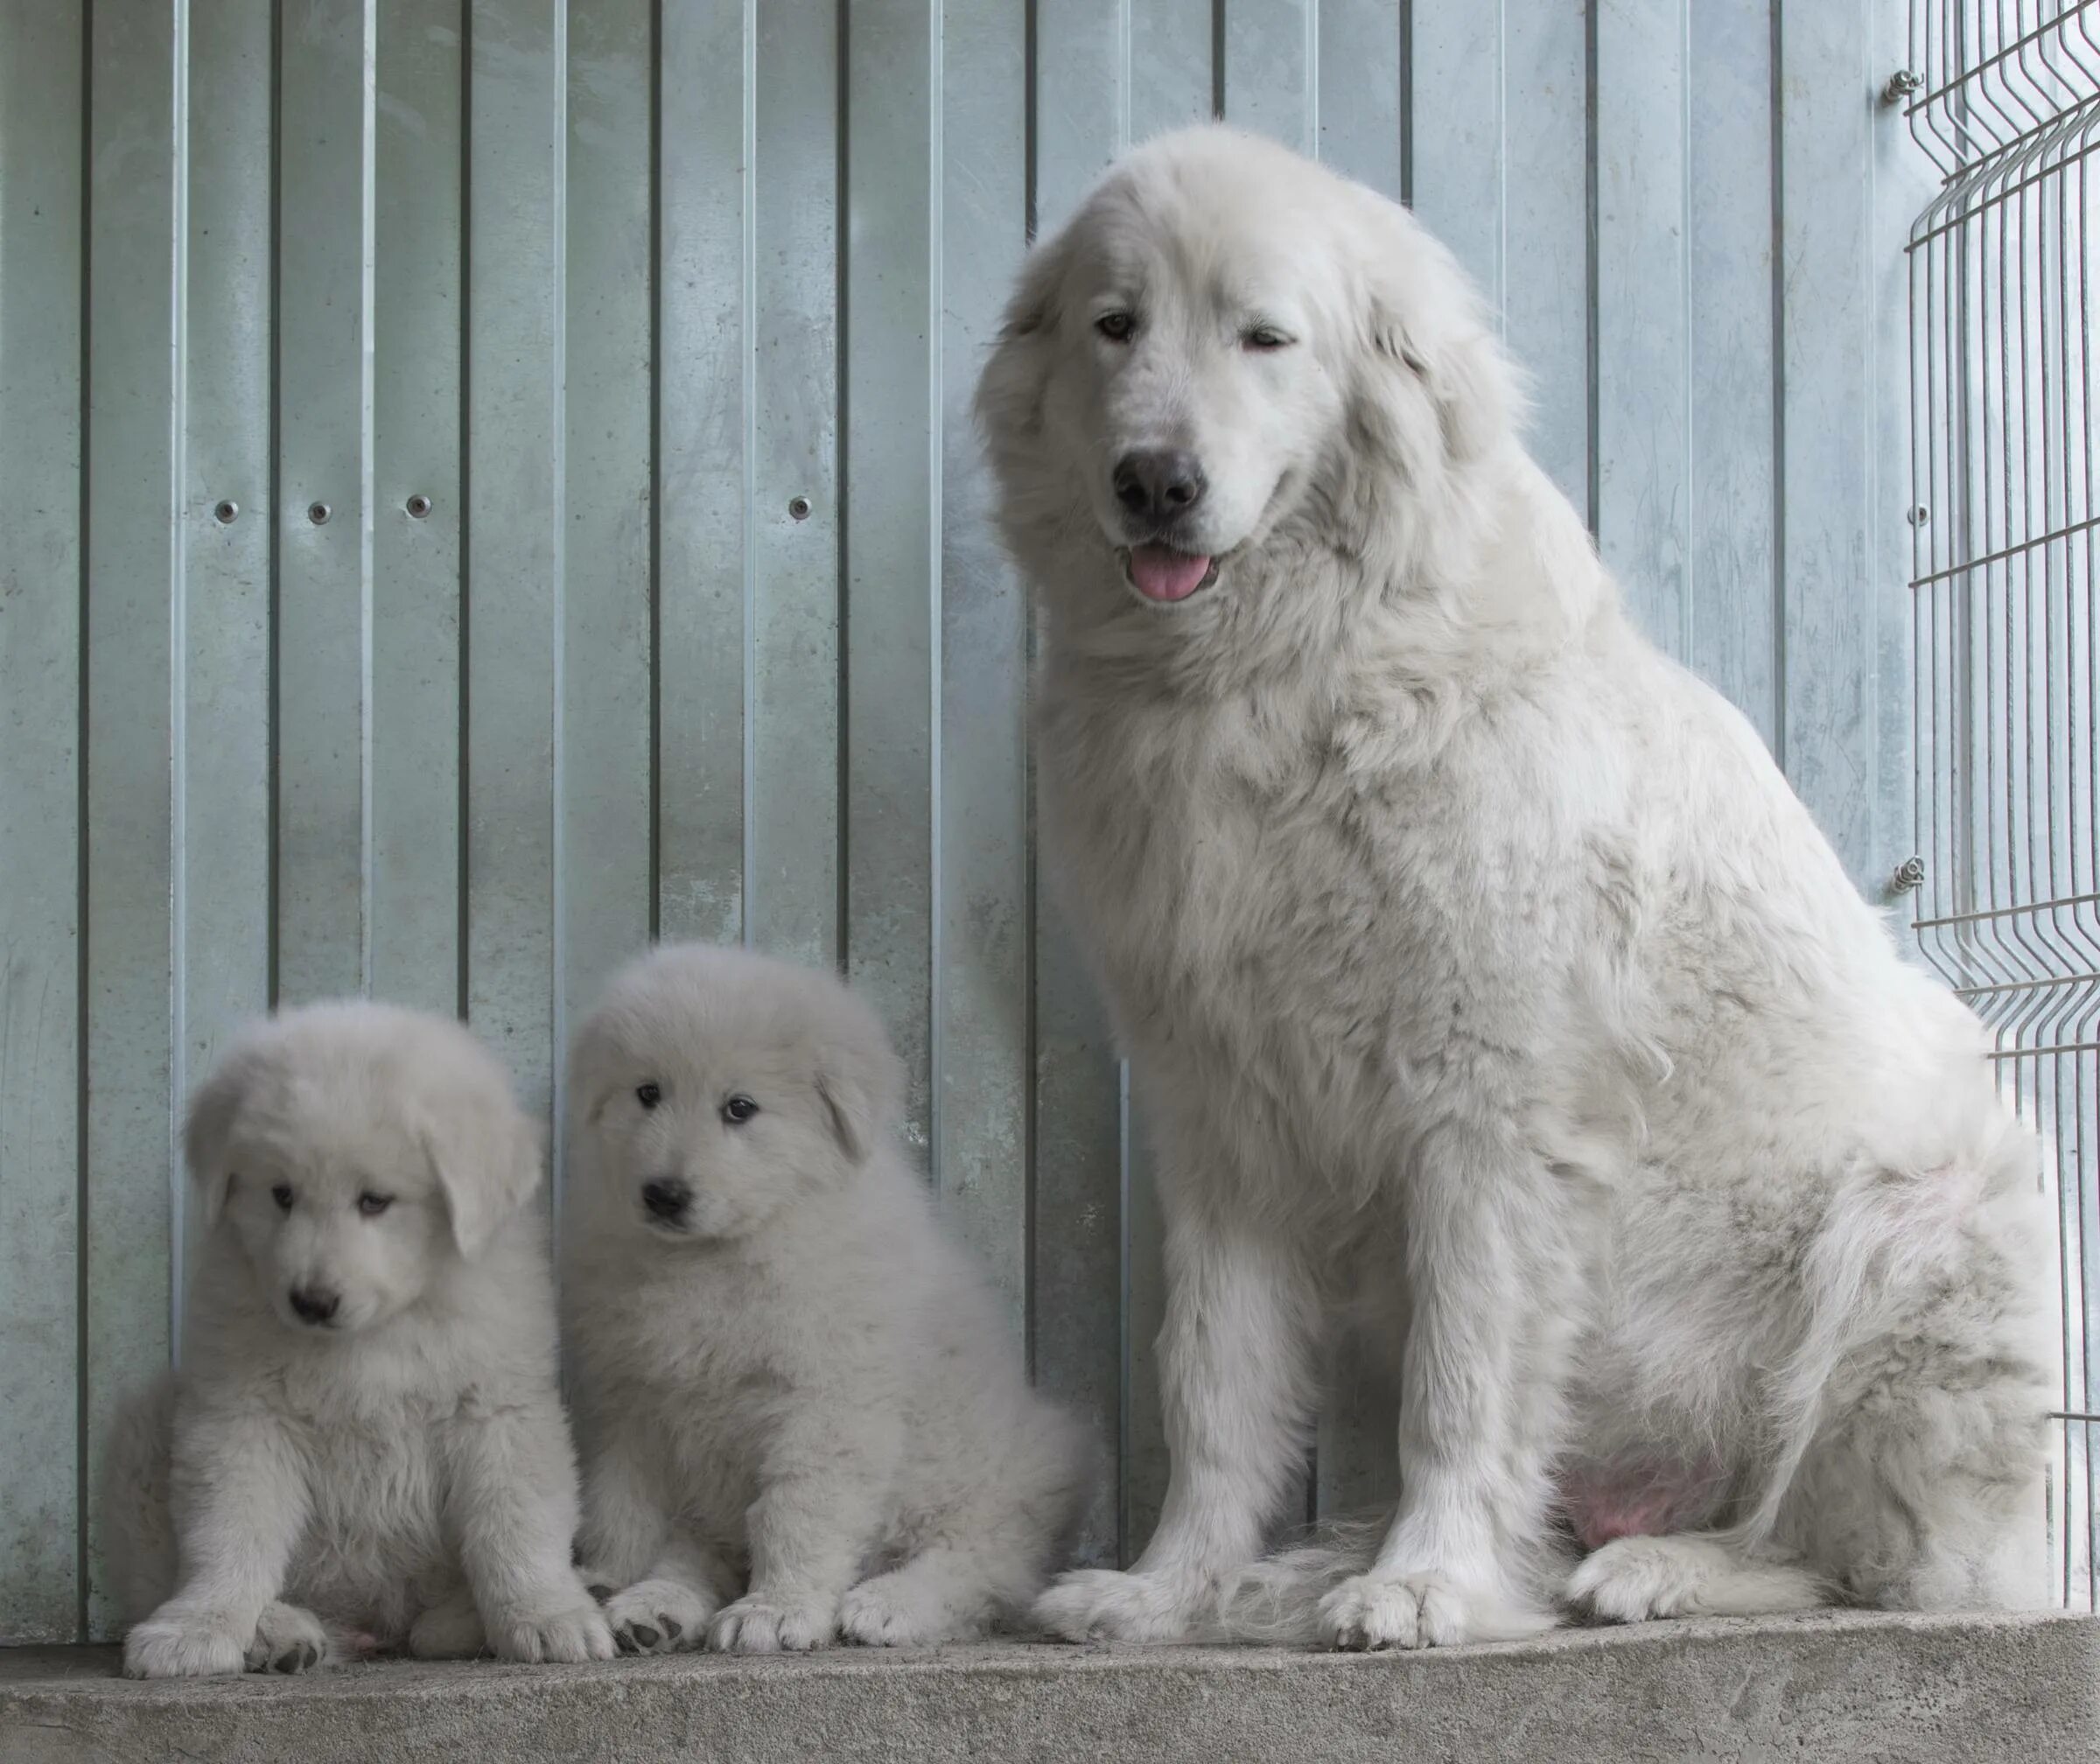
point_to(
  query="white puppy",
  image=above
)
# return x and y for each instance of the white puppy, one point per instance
(1484, 980)
(365, 1446)
(786, 1374)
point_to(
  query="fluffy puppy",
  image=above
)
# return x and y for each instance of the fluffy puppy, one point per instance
(789, 1382)
(364, 1446)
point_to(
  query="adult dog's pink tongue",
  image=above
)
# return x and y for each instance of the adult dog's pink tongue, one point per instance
(1160, 573)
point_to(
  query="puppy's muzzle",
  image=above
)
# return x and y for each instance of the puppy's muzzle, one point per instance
(314, 1304)
(667, 1199)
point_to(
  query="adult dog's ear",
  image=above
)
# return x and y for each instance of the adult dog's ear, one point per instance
(486, 1153)
(1428, 343)
(1010, 393)
(207, 1128)
(860, 1079)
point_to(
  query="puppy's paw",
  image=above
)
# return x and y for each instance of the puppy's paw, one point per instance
(1102, 1604)
(771, 1624)
(1386, 1610)
(568, 1630)
(184, 1644)
(887, 1612)
(450, 1631)
(659, 1617)
(287, 1639)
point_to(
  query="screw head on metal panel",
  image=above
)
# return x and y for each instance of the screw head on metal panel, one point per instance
(1901, 84)
(798, 507)
(417, 506)
(1919, 515)
(226, 513)
(318, 513)
(1910, 874)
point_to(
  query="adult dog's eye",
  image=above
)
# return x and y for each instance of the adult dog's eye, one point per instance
(738, 1109)
(373, 1205)
(1265, 339)
(649, 1095)
(281, 1195)
(1117, 327)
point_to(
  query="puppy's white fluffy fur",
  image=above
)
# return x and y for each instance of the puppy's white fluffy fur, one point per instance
(791, 1386)
(1484, 981)
(399, 1474)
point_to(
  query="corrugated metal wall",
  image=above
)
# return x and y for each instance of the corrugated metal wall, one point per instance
(487, 482)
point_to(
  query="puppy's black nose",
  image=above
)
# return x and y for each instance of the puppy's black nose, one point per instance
(314, 1304)
(666, 1196)
(1159, 481)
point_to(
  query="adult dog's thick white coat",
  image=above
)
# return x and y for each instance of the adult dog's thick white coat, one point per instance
(1486, 986)
(790, 1384)
(365, 1447)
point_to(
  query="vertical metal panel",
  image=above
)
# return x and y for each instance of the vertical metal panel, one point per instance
(1732, 640)
(1076, 1256)
(1831, 630)
(138, 107)
(41, 110)
(324, 610)
(1643, 496)
(602, 764)
(985, 902)
(419, 345)
(703, 173)
(516, 82)
(1361, 99)
(792, 838)
(1268, 80)
(1458, 142)
(890, 509)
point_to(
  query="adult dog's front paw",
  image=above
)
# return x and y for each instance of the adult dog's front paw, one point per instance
(659, 1617)
(1102, 1604)
(1386, 1610)
(185, 1644)
(571, 1631)
(765, 1624)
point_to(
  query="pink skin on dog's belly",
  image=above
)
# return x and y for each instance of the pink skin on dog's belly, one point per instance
(1637, 1496)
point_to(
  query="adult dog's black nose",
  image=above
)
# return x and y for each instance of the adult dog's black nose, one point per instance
(314, 1304)
(666, 1196)
(1159, 481)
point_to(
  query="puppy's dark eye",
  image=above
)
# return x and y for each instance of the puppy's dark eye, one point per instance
(281, 1195)
(1117, 327)
(1265, 339)
(738, 1109)
(373, 1205)
(649, 1095)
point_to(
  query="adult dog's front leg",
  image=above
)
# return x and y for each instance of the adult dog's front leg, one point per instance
(1236, 1374)
(1493, 1261)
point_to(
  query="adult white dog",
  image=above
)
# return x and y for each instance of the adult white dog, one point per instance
(365, 1448)
(1483, 977)
(791, 1385)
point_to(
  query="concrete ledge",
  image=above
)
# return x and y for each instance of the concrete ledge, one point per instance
(1829, 1686)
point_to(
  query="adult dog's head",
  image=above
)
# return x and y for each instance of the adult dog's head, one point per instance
(358, 1152)
(714, 1087)
(1229, 347)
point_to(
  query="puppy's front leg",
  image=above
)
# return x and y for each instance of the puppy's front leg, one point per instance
(659, 1585)
(240, 1503)
(513, 1508)
(809, 1531)
(1494, 1255)
(1235, 1372)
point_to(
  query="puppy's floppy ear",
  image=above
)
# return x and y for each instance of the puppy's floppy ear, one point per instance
(485, 1152)
(1425, 334)
(207, 1128)
(860, 1079)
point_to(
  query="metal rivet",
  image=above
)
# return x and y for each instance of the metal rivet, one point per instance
(418, 505)
(1919, 515)
(1901, 84)
(799, 507)
(226, 513)
(318, 513)
(1910, 874)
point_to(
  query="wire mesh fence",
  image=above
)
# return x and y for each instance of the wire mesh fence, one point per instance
(2004, 97)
